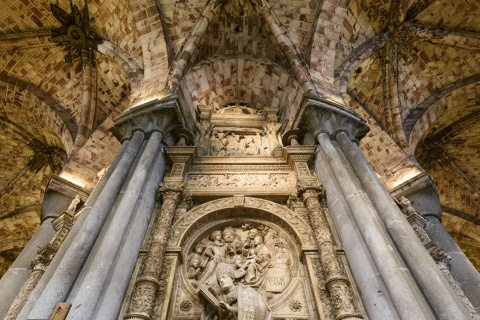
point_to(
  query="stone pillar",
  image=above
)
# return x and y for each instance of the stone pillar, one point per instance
(336, 283)
(45, 254)
(58, 196)
(113, 292)
(82, 273)
(436, 288)
(35, 294)
(327, 122)
(143, 300)
(424, 198)
(375, 296)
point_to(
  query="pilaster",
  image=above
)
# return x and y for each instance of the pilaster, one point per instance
(336, 282)
(143, 300)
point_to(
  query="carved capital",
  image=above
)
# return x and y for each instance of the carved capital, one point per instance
(309, 189)
(321, 116)
(155, 116)
(171, 191)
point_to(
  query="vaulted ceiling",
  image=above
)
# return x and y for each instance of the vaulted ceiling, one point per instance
(411, 68)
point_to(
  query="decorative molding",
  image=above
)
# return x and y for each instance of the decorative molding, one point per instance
(255, 181)
(149, 286)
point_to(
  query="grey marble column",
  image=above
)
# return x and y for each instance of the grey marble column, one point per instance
(325, 120)
(13, 280)
(434, 286)
(375, 296)
(407, 299)
(112, 295)
(82, 272)
(54, 203)
(35, 294)
(461, 268)
(69, 267)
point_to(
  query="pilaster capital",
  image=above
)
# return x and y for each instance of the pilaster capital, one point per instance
(155, 116)
(172, 191)
(322, 116)
(309, 189)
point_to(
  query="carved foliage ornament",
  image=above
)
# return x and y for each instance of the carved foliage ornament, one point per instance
(75, 33)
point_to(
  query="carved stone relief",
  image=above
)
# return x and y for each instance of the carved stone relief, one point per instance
(282, 216)
(237, 130)
(231, 257)
(241, 180)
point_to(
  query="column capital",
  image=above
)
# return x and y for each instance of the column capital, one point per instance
(161, 116)
(309, 189)
(322, 116)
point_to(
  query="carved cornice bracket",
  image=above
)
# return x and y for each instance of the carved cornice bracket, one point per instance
(321, 116)
(155, 116)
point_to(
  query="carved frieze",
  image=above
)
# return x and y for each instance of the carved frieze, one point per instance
(241, 180)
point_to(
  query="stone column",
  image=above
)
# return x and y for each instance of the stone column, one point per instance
(58, 196)
(325, 120)
(83, 271)
(35, 294)
(436, 288)
(143, 300)
(336, 283)
(375, 296)
(110, 302)
(422, 194)
(45, 254)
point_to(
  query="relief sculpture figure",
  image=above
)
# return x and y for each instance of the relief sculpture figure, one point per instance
(215, 253)
(258, 262)
(234, 302)
(235, 270)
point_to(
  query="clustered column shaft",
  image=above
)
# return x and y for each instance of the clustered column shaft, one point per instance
(337, 284)
(435, 288)
(91, 262)
(147, 285)
(359, 203)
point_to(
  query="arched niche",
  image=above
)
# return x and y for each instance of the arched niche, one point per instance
(241, 207)
(245, 214)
